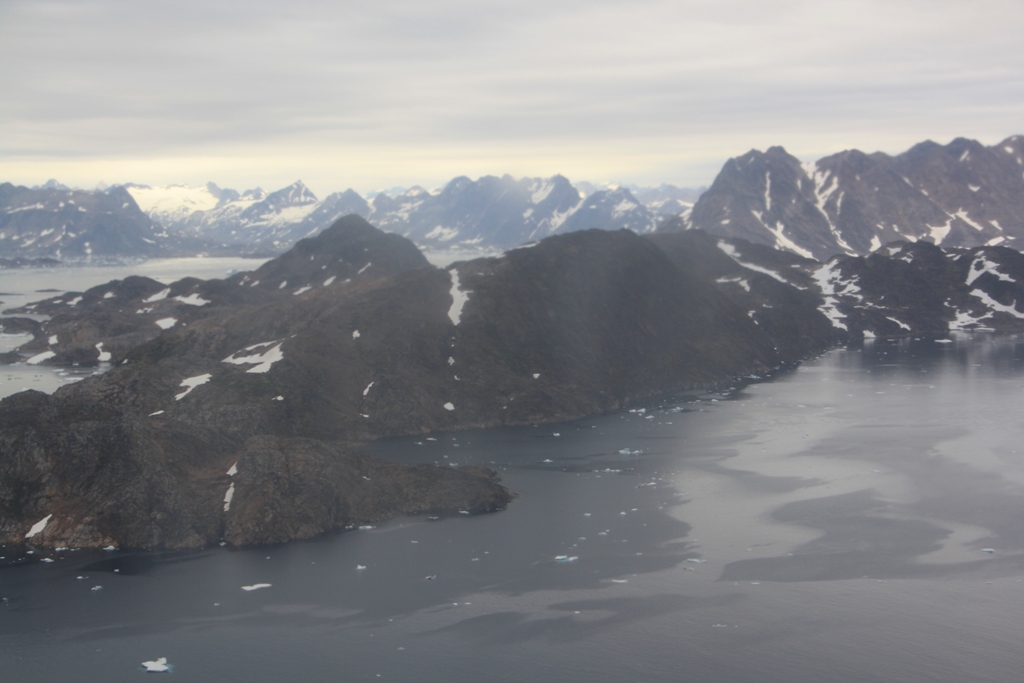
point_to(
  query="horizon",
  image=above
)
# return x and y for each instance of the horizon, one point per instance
(403, 94)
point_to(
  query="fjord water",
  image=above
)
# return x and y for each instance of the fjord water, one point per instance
(833, 523)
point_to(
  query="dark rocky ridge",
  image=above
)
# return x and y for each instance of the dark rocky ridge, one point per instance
(135, 458)
(963, 194)
(284, 382)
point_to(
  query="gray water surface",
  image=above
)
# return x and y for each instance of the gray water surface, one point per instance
(830, 524)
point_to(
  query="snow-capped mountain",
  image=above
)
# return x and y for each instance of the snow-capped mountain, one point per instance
(254, 220)
(963, 194)
(505, 212)
(489, 212)
(77, 224)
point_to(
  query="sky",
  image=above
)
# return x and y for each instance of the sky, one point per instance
(373, 95)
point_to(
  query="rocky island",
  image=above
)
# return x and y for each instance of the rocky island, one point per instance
(234, 409)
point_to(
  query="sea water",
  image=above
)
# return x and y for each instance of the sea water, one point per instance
(857, 519)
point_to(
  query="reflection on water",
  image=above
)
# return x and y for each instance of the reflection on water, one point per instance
(858, 519)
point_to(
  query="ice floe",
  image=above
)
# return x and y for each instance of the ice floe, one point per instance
(157, 665)
(256, 586)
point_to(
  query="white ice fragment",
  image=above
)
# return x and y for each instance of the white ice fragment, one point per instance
(157, 665)
(256, 586)
(38, 526)
(566, 558)
(355, 334)
(191, 383)
(449, 406)
(360, 567)
(40, 357)
(166, 323)
(536, 375)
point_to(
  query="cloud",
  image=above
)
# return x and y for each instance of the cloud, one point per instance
(415, 89)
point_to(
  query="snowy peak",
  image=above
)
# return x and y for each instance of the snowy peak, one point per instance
(961, 194)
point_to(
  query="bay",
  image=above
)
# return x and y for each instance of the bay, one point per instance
(832, 524)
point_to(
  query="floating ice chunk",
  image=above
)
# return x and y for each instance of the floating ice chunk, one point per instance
(191, 383)
(566, 558)
(166, 323)
(696, 560)
(157, 665)
(355, 334)
(449, 406)
(38, 526)
(110, 548)
(192, 300)
(536, 375)
(40, 357)
(360, 567)
(162, 294)
(256, 586)
(943, 341)
(96, 588)
(620, 580)
(366, 527)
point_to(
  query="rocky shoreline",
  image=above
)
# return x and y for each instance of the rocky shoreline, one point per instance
(234, 409)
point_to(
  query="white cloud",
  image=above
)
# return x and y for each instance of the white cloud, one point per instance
(371, 94)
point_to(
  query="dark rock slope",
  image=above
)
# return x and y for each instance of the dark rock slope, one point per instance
(242, 424)
(963, 194)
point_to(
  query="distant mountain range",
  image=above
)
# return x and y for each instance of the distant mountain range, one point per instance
(489, 212)
(963, 194)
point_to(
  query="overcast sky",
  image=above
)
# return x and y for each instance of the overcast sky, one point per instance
(378, 93)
